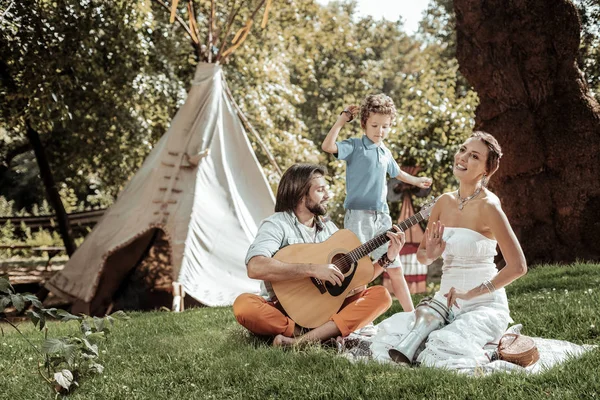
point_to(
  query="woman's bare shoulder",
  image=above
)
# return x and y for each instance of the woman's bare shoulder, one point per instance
(491, 202)
(446, 197)
(443, 202)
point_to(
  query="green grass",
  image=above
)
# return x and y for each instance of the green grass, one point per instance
(204, 354)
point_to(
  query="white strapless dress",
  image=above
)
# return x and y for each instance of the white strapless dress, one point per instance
(468, 261)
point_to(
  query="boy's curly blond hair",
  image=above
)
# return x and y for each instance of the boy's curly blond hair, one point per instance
(376, 104)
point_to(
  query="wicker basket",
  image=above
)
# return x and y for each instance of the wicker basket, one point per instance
(518, 349)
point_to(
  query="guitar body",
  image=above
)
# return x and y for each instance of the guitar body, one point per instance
(306, 301)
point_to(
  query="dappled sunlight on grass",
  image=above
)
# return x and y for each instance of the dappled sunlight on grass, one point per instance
(559, 302)
(204, 353)
(571, 277)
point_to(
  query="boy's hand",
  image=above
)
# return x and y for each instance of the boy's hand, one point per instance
(350, 112)
(424, 182)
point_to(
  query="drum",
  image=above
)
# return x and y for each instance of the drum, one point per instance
(430, 315)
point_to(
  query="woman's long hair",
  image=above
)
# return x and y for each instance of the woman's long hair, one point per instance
(295, 184)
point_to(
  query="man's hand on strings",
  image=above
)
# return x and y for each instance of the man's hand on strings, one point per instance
(328, 272)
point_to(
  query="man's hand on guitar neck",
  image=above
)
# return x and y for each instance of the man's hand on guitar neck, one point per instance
(327, 272)
(397, 240)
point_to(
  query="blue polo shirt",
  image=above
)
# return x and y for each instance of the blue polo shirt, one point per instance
(367, 166)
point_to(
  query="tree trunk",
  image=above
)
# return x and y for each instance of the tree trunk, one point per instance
(51, 192)
(520, 56)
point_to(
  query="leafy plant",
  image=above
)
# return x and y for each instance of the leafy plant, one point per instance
(67, 359)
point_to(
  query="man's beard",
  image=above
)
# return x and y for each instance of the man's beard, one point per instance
(316, 208)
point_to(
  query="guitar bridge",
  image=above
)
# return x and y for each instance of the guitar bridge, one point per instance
(319, 284)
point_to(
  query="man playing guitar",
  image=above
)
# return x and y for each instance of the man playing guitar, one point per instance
(300, 207)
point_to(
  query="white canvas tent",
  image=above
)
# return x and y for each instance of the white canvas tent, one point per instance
(202, 187)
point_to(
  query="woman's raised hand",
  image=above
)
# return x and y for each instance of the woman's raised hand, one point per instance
(434, 242)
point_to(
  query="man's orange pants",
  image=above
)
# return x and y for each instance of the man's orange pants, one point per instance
(262, 317)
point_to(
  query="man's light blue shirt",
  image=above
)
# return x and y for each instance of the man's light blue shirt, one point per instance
(366, 169)
(280, 230)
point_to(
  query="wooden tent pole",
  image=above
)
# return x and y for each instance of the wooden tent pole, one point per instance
(251, 129)
(211, 42)
(230, 20)
(221, 57)
(181, 22)
(211, 22)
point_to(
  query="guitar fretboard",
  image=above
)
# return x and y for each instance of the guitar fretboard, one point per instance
(380, 240)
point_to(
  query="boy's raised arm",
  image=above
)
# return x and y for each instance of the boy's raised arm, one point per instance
(329, 144)
(419, 181)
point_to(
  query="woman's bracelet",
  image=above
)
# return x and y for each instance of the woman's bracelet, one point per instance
(489, 286)
(384, 261)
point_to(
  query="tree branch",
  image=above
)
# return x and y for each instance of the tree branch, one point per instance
(257, 8)
(6, 11)
(193, 25)
(51, 190)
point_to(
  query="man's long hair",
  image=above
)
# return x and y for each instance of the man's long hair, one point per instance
(295, 184)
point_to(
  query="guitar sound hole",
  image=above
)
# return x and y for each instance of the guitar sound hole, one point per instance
(343, 262)
(348, 268)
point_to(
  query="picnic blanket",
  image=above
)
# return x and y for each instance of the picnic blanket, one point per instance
(374, 346)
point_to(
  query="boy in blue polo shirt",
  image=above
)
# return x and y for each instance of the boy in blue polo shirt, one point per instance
(368, 163)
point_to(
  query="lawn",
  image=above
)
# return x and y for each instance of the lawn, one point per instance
(203, 354)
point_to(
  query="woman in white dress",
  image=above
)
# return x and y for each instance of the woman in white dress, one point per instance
(464, 228)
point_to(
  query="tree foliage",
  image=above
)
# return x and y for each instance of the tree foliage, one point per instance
(85, 75)
(336, 58)
(589, 51)
(102, 80)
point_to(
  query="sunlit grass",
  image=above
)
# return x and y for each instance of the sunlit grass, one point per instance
(204, 354)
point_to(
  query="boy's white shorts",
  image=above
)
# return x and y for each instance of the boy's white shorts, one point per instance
(367, 224)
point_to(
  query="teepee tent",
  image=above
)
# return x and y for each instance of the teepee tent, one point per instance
(201, 193)
(201, 187)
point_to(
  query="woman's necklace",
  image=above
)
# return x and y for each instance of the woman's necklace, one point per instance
(463, 201)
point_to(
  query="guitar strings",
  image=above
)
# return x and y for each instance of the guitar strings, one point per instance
(349, 258)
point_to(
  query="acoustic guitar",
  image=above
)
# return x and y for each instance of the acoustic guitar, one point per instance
(311, 302)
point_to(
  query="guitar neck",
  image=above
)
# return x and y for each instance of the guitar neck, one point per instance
(382, 239)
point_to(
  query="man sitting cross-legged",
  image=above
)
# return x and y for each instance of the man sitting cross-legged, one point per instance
(299, 218)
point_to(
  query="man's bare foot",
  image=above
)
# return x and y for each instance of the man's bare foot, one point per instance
(283, 341)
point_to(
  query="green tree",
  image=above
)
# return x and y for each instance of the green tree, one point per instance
(534, 100)
(291, 79)
(83, 75)
(589, 49)
(341, 58)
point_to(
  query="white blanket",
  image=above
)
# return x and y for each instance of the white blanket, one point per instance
(360, 347)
